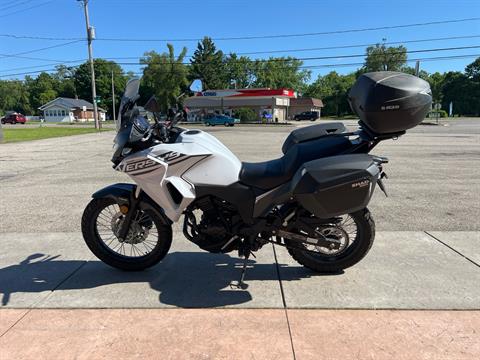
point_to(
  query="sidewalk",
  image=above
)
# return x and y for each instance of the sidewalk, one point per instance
(58, 301)
(404, 270)
(239, 334)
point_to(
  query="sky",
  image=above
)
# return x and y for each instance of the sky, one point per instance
(186, 19)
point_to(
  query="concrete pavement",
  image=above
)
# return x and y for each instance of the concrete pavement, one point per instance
(433, 185)
(404, 270)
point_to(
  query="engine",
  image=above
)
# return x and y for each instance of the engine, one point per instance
(209, 222)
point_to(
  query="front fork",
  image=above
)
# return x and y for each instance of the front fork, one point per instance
(130, 212)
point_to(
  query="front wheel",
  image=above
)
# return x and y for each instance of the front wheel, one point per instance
(147, 242)
(355, 233)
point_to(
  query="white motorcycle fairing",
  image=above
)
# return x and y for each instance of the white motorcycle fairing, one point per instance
(168, 173)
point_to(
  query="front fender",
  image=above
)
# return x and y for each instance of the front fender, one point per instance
(122, 193)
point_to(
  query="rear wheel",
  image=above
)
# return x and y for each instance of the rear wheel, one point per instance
(355, 233)
(147, 242)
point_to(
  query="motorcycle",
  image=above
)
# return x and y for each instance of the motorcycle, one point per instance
(312, 200)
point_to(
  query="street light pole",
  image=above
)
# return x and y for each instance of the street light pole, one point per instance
(90, 36)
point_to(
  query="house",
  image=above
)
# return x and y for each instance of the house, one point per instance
(68, 110)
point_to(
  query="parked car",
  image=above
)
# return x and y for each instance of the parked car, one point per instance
(216, 119)
(307, 115)
(14, 118)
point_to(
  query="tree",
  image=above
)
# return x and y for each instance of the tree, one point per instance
(283, 72)
(473, 70)
(103, 81)
(208, 65)
(457, 89)
(65, 78)
(164, 76)
(14, 97)
(383, 58)
(422, 74)
(333, 89)
(239, 70)
(41, 90)
(436, 81)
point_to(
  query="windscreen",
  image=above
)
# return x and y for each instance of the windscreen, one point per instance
(130, 95)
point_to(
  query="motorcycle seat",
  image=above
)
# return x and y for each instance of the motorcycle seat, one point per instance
(312, 132)
(267, 175)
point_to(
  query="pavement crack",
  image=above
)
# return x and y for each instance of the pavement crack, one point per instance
(284, 301)
(16, 322)
(451, 248)
(69, 276)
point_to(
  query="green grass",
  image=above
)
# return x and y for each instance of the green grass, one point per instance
(15, 135)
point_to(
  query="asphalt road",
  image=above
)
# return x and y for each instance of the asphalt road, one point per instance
(434, 176)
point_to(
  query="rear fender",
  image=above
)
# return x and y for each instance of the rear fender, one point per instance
(123, 194)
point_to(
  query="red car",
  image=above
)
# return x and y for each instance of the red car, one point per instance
(14, 118)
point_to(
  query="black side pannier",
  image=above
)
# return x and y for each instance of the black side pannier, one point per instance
(335, 185)
(311, 132)
(390, 102)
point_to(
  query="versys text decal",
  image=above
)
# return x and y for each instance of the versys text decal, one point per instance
(134, 166)
(170, 156)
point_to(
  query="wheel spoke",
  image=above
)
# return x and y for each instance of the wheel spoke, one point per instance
(142, 231)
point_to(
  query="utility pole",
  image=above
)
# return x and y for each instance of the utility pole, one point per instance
(113, 99)
(91, 36)
(417, 68)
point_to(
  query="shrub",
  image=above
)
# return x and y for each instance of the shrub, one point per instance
(433, 113)
(245, 114)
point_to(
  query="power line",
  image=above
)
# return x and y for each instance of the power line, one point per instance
(436, 58)
(325, 48)
(241, 53)
(330, 57)
(42, 66)
(10, 2)
(326, 57)
(31, 58)
(64, 62)
(28, 37)
(451, 57)
(345, 31)
(17, 3)
(41, 49)
(358, 45)
(302, 34)
(28, 8)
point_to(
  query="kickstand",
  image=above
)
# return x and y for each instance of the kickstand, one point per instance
(241, 284)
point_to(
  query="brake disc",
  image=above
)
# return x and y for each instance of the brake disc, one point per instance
(136, 233)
